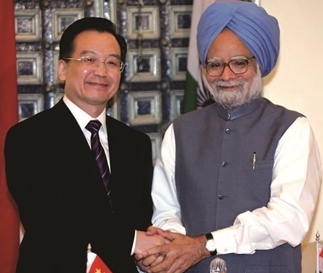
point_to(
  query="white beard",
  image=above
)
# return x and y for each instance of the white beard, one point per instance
(229, 100)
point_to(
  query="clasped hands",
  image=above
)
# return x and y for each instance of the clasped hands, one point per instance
(162, 251)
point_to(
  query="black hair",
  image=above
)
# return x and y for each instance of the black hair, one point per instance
(66, 44)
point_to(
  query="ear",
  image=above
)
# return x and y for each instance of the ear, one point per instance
(61, 70)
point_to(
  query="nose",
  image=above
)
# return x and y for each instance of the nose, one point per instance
(100, 70)
(227, 73)
(99, 64)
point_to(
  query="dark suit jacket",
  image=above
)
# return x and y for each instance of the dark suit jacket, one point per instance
(62, 202)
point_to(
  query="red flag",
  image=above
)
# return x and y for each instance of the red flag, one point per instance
(9, 223)
(95, 264)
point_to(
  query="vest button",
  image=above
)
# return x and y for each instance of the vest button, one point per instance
(224, 163)
(227, 131)
(220, 196)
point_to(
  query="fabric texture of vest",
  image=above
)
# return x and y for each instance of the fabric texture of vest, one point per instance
(216, 179)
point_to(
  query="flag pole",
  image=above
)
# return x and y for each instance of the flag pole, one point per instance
(317, 252)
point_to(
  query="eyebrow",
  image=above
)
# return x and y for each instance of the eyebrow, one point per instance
(232, 58)
(84, 52)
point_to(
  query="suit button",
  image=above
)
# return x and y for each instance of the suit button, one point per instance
(224, 163)
(227, 131)
(220, 196)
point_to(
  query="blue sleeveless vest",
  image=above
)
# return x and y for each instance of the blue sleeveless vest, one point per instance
(216, 178)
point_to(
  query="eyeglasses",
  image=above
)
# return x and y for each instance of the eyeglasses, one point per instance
(237, 66)
(112, 62)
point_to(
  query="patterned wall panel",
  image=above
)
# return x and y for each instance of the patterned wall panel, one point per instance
(157, 32)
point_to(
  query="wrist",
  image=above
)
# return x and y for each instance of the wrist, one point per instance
(210, 244)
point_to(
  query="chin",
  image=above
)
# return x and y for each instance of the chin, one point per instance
(230, 99)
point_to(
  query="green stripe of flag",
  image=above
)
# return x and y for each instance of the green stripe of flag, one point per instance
(190, 95)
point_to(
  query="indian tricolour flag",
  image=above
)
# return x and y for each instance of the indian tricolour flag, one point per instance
(319, 258)
(193, 77)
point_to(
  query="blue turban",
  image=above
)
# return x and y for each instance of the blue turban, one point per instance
(258, 30)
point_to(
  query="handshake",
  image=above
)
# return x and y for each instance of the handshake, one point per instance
(164, 251)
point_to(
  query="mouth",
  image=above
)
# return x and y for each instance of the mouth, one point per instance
(228, 88)
(98, 84)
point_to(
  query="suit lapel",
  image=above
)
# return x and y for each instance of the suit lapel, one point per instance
(113, 143)
(76, 155)
(69, 130)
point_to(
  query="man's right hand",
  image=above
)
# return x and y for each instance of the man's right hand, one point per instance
(177, 256)
(146, 241)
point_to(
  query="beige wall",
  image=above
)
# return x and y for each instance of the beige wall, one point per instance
(296, 81)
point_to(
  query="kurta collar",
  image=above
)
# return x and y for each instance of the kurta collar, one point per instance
(239, 111)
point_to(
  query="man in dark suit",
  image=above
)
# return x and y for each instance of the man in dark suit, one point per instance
(52, 173)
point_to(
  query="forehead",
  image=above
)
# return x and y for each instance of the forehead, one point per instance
(101, 42)
(227, 45)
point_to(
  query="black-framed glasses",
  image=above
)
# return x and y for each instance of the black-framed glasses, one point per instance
(111, 62)
(216, 67)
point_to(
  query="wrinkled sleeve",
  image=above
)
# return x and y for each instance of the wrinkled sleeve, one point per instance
(166, 206)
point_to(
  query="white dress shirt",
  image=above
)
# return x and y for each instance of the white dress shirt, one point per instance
(286, 218)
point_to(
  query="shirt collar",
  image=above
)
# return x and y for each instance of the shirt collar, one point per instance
(82, 117)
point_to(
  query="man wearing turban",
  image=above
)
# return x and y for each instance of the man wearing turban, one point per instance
(240, 177)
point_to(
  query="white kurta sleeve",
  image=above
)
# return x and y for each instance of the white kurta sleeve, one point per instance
(166, 206)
